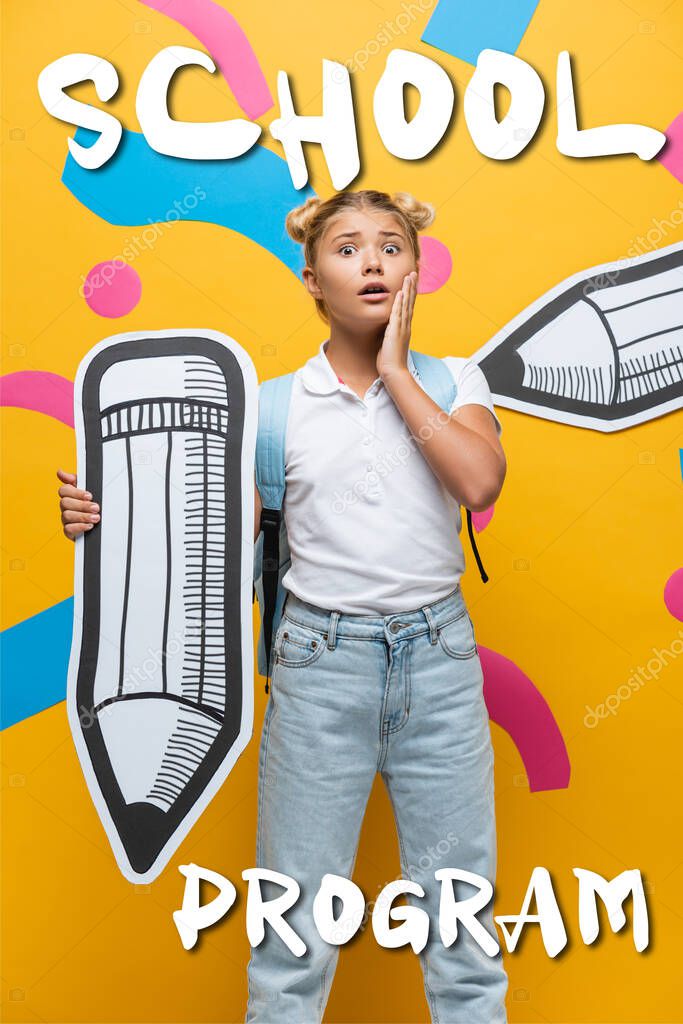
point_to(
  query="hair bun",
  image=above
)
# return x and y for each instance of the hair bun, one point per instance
(419, 214)
(298, 220)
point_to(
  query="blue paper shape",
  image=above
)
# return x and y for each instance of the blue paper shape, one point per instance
(464, 28)
(34, 659)
(251, 194)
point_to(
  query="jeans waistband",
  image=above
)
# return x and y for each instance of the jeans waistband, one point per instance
(397, 626)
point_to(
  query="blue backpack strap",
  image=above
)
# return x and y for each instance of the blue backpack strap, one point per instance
(436, 378)
(274, 398)
(439, 384)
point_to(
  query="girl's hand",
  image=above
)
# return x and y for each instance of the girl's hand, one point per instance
(393, 355)
(79, 512)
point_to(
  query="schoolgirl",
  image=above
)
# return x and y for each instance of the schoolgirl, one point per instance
(375, 664)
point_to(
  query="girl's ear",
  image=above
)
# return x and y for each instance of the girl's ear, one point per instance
(311, 282)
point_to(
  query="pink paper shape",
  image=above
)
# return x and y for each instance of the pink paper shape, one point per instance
(673, 594)
(39, 391)
(435, 265)
(671, 156)
(112, 288)
(516, 705)
(480, 520)
(221, 35)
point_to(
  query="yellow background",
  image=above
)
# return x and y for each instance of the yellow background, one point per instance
(585, 534)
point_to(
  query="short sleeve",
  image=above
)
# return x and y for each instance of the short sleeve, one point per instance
(473, 388)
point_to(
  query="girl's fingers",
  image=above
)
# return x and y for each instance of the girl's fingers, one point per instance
(79, 512)
(412, 291)
(413, 294)
(399, 307)
(74, 530)
(69, 491)
(393, 316)
(73, 505)
(79, 517)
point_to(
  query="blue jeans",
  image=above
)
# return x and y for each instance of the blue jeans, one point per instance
(352, 695)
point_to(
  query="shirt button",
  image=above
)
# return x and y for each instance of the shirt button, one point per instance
(367, 440)
(364, 413)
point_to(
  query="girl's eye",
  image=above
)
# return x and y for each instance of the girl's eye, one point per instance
(391, 245)
(345, 247)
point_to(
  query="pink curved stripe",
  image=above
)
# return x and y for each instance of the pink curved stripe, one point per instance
(516, 705)
(222, 36)
(39, 391)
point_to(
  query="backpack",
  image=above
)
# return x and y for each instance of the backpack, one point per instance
(271, 551)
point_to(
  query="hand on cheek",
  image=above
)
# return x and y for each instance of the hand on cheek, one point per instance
(393, 355)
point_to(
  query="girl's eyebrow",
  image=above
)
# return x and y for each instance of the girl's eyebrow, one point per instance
(351, 234)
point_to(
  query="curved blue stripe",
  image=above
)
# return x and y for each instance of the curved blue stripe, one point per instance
(251, 194)
(34, 659)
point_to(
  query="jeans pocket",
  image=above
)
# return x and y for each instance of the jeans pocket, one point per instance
(457, 637)
(297, 645)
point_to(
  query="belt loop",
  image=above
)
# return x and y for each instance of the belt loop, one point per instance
(332, 631)
(433, 629)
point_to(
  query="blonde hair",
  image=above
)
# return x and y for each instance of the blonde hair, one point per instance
(306, 223)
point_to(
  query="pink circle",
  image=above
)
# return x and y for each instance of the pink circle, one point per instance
(435, 265)
(112, 288)
(673, 594)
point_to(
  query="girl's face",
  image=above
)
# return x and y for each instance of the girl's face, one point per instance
(357, 250)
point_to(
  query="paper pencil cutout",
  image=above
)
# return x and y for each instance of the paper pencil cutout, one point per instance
(160, 686)
(603, 349)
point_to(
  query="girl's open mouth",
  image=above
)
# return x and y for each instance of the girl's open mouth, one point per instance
(374, 291)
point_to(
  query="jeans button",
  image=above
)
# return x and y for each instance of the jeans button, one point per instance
(395, 626)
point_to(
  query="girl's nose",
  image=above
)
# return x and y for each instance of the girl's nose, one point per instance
(373, 262)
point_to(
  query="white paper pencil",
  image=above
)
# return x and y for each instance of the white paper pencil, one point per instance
(603, 349)
(161, 681)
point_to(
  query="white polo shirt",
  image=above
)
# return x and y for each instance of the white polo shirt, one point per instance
(371, 528)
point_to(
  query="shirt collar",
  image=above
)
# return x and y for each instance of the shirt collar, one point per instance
(319, 377)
